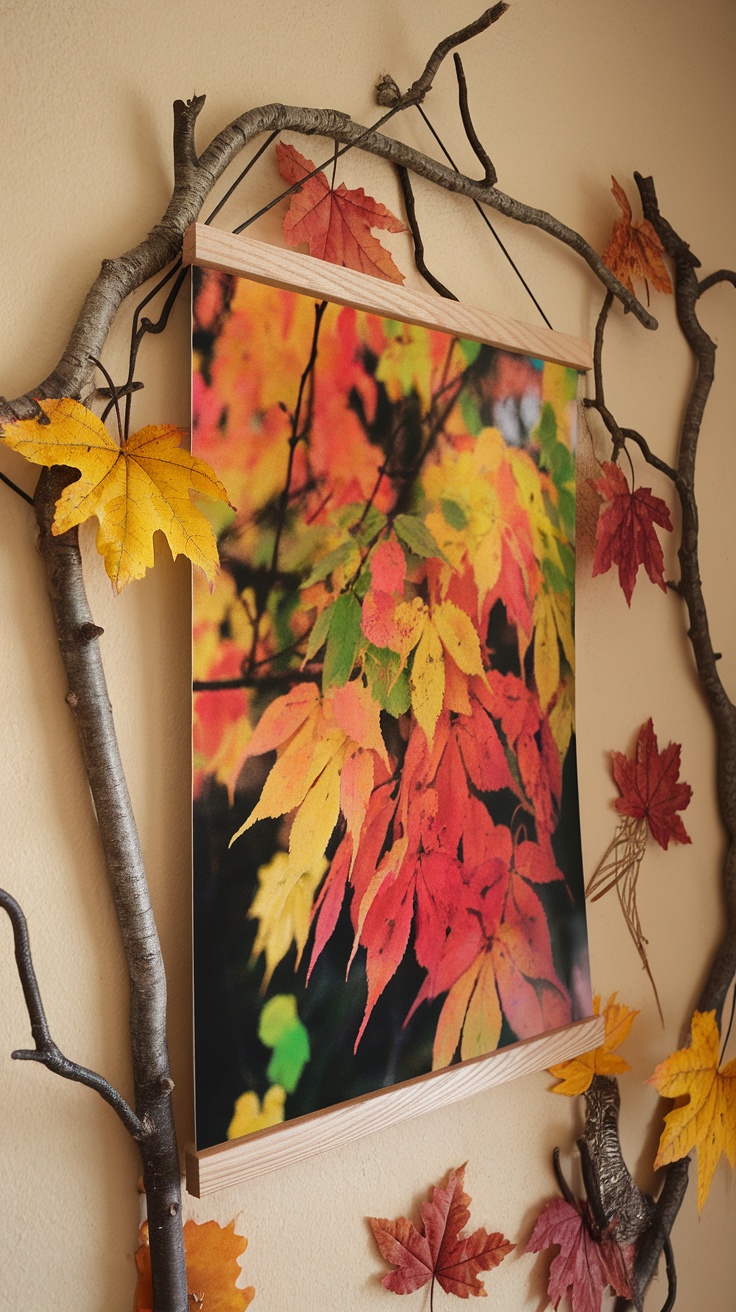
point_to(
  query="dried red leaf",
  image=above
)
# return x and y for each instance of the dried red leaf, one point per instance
(585, 1265)
(336, 222)
(441, 1252)
(650, 789)
(635, 250)
(625, 533)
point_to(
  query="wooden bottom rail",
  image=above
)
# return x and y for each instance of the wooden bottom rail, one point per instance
(268, 1150)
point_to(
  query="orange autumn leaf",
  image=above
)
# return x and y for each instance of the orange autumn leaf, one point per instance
(134, 489)
(705, 1117)
(576, 1075)
(212, 1253)
(634, 250)
(336, 222)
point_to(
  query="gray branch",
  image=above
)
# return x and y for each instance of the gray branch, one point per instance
(194, 178)
(46, 1051)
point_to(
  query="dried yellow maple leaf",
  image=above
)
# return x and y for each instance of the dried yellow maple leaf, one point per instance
(134, 489)
(705, 1117)
(576, 1075)
(212, 1253)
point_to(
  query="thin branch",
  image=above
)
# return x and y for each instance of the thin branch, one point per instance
(194, 178)
(722, 275)
(46, 1051)
(411, 214)
(619, 436)
(418, 90)
(490, 176)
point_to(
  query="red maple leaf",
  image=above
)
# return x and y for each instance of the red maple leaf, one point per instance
(635, 250)
(439, 1251)
(625, 533)
(650, 789)
(336, 222)
(585, 1265)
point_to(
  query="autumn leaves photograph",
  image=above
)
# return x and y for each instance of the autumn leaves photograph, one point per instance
(387, 857)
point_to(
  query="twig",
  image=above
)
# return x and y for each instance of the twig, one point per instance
(721, 275)
(490, 176)
(411, 214)
(46, 1051)
(387, 92)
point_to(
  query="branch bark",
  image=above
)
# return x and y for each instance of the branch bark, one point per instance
(89, 701)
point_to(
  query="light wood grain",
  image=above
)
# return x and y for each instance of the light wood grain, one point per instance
(284, 268)
(256, 1154)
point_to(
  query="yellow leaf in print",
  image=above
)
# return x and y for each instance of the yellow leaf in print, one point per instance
(134, 490)
(483, 1019)
(562, 717)
(250, 1116)
(428, 680)
(459, 637)
(283, 906)
(546, 649)
(552, 625)
(315, 820)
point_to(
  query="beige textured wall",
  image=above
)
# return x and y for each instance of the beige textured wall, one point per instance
(565, 92)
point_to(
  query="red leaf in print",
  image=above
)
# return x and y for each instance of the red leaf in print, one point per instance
(441, 1252)
(585, 1266)
(336, 222)
(625, 533)
(650, 789)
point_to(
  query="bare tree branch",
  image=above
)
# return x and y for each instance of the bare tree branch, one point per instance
(411, 214)
(194, 178)
(46, 1051)
(89, 701)
(490, 174)
(721, 275)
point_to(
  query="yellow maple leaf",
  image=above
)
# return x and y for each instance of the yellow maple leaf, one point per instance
(705, 1117)
(250, 1116)
(576, 1075)
(134, 489)
(211, 1253)
(283, 906)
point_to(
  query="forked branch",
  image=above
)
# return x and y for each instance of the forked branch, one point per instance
(46, 1051)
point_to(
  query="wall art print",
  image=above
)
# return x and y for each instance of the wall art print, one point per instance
(387, 858)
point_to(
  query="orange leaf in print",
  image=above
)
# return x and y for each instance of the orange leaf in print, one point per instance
(576, 1075)
(212, 1253)
(635, 250)
(336, 222)
(705, 1115)
(439, 1251)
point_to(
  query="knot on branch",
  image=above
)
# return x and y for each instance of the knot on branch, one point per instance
(387, 92)
(88, 632)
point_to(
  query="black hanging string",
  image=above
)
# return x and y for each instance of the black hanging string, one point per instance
(244, 173)
(486, 219)
(9, 482)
